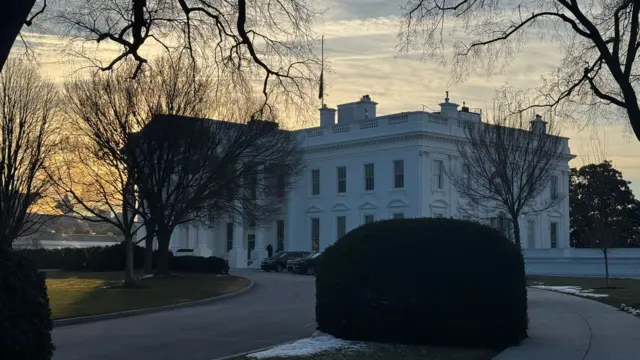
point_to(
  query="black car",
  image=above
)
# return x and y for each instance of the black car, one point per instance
(307, 265)
(278, 261)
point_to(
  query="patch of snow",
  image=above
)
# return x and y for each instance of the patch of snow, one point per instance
(146, 276)
(319, 342)
(630, 310)
(575, 290)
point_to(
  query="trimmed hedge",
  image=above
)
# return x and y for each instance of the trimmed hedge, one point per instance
(25, 316)
(112, 258)
(95, 258)
(423, 281)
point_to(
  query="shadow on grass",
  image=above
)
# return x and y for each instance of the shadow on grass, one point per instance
(81, 294)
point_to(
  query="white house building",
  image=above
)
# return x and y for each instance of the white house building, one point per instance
(363, 168)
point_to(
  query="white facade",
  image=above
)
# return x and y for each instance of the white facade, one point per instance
(394, 166)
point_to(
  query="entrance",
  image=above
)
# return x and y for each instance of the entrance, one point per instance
(251, 244)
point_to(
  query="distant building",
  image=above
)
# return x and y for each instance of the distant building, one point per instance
(364, 168)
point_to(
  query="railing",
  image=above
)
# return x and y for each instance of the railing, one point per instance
(398, 119)
(369, 124)
(340, 128)
(314, 132)
(438, 120)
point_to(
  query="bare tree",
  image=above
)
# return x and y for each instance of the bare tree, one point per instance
(506, 165)
(599, 41)
(265, 41)
(28, 105)
(206, 167)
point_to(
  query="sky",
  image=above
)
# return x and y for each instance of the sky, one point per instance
(360, 46)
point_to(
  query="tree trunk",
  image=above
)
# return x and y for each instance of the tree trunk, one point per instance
(13, 15)
(148, 249)
(606, 266)
(516, 232)
(164, 237)
(129, 279)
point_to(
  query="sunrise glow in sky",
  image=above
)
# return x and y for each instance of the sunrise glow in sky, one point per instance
(360, 44)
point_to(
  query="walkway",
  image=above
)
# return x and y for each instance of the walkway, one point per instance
(280, 308)
(565, 327)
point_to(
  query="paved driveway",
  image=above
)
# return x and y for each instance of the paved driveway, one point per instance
(280, 308)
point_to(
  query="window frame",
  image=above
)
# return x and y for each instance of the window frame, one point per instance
(398, 174)
(439, 183)
(315, 233)
(367, 178)
(340, 181)
(315, 191)
(341, 227)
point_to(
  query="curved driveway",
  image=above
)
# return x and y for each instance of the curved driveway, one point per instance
(279, 308)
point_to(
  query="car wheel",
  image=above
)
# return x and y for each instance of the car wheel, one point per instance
(278, 268)
(311, 270)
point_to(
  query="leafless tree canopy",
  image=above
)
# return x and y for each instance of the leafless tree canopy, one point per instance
(599, 41)
(269, 41)
(28, 105)
(504, 167)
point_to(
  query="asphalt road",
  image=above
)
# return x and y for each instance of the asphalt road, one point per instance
(279, 308)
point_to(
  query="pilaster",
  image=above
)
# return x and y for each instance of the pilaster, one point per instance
(238, 253)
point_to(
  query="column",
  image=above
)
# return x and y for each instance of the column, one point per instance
(238, 253)
(260, 251)
(191, 236)
(176, 236)
(202, 244)
(290, 223)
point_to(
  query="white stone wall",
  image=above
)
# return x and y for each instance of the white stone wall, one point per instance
(623, 263)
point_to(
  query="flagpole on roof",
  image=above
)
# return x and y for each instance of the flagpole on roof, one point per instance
(321, 92)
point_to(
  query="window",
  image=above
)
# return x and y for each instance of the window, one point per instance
(341, 226)
(229, 236)
(503, 224)
(315, 234)
(531, 234)
(553, 187)
(368, 177)
(341, 174)
(280, 235)
(398, 174)
(438, 167)
(251, 244)
(315, 182)
(398, 215)
(467, 175)
(466, 217)
(280, 185)
(211, 219)
(438, 215)
(369, 218)
(553, 236)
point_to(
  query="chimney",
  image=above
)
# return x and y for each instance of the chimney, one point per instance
(448, 109)
(327, 116)
(538, 125)
(464, 107)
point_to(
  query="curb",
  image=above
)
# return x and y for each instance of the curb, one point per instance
(129, 313)
(245, 353)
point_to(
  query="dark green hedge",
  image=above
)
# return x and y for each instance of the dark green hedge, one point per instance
(25, 317)
(96, 258)
(112, 258)
(423, 281)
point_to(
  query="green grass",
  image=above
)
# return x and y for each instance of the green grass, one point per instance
(73, 294)
(620, 291)
(395, 352)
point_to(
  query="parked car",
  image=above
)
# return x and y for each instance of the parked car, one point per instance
(278, 261)
(307, 265)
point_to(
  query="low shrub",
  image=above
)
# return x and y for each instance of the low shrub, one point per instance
(95, 258)
(423, 281)
(199, 264)
(25, 316)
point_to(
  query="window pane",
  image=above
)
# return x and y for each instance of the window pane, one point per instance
(437, 174)
(554, 187)
(229, 236)
(315, 234)
(280, 234)
(369, 218)
(369, 177)
(341, 224)
(315, 182)
(398, 172)
(398, 216)
(342, 179)
(554, 234)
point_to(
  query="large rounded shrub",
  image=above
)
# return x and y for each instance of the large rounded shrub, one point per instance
(25, 317)
(423, 281)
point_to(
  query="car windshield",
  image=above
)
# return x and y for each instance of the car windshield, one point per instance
(309, 256)
(279, 255)
(313, 256)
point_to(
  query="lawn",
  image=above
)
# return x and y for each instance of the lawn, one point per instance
(619, 291)
(329, 348)
(75, 294)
